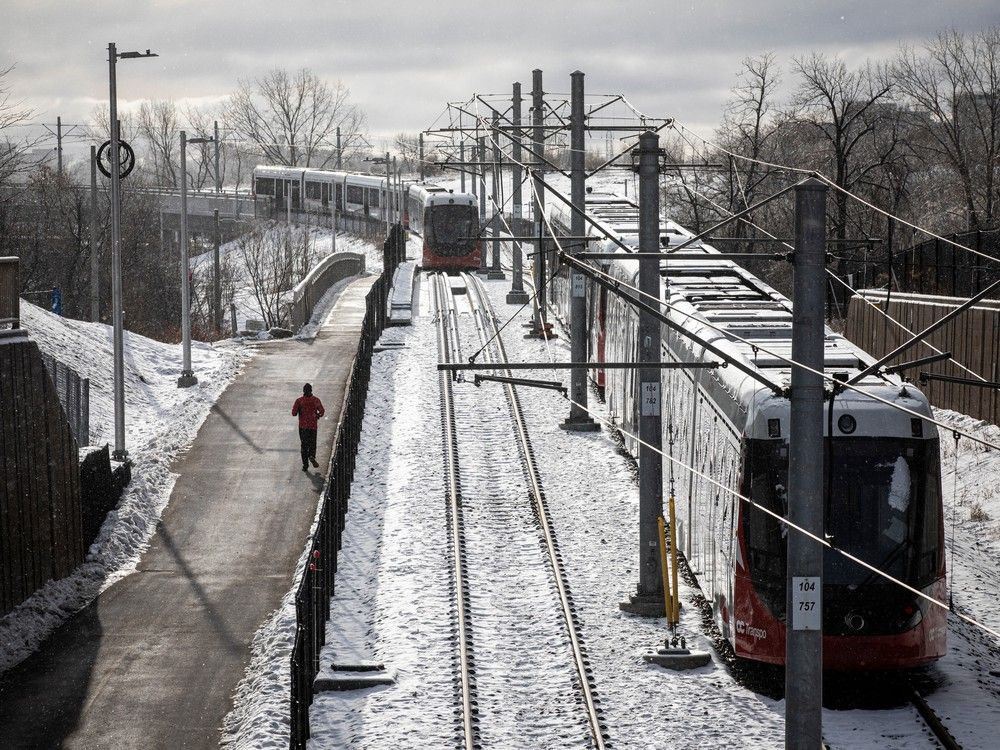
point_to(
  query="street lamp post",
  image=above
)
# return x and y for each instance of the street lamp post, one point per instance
(117, 313)
(187, 378)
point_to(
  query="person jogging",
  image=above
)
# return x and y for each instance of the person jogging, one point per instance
(308, 409)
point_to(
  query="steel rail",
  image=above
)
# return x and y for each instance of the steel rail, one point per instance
(932, 720)
(446, 342)
(483, 307)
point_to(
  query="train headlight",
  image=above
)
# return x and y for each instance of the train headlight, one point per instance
(847, 424)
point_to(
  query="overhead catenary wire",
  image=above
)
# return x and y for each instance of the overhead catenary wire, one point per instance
(792, 526)
(820, 176)
(729, 334)
(788, 360)
(835, 277)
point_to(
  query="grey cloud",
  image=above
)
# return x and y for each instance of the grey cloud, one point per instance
(402, 61)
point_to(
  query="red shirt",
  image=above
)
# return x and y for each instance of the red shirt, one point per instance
(308, 409)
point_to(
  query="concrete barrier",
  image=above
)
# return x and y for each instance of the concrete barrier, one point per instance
(325, 274)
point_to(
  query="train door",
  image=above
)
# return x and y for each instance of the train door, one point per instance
(325, 196)
(600, 331)
(340, 196)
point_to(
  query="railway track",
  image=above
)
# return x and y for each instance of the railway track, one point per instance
(932, 720)
(447, 342)
(537, 525)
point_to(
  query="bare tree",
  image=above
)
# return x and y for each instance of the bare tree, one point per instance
(274, 261)
(201, 169)
(159, 126)
(954, 89)
(749, 129)
(293, 118)
(407, 145)
(14, 148)
(842, 106)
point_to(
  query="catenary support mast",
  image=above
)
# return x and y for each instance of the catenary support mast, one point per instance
(804, 634)
(579, 420)
(648, 600)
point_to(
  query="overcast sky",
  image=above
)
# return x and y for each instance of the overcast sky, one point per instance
(403, 60)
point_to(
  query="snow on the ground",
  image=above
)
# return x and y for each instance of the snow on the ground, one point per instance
(259, 718)
(160, 421)
(392, 601)
(320, 245)
(968, 675)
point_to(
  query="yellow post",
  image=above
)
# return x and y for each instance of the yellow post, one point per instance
(667, 598)
(676, 601)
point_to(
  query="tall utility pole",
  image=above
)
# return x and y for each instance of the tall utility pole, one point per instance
(95, 268)
(496, 272)
(538, 204)
(516, 295)
(217, 274)
(218, 172)
(340, 152)
(397, 216)
(804, 633)
(59, 161)
(461, 159)
(579, 420)
(385, 197)
(648, 600)
(421, 143)
(481, 156)
(117, 312)
(187, 378)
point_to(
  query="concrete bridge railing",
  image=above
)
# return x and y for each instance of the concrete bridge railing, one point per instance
(324, 275)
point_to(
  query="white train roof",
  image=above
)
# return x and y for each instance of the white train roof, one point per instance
(717, 300)
(430, 193)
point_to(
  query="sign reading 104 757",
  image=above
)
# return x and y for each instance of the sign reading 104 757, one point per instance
(807, 603)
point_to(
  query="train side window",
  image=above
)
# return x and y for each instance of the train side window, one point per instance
(265, 186)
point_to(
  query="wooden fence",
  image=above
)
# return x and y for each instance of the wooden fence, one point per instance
(40, 514)
(973, 339)
(10, 305)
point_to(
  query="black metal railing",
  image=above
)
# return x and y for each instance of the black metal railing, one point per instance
(74, 395)
(316, 587)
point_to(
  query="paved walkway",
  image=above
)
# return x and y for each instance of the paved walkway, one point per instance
(154, 661)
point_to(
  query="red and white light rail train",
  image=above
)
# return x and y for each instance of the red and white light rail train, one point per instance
(448, 222)
(883, 489)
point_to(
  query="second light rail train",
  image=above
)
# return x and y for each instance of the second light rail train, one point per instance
(446, 221)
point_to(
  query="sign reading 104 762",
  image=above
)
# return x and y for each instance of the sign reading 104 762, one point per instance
(807, 603)
(649, 399)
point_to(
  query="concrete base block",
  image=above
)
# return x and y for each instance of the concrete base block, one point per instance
(517, 298)
(678, 658)
(580, 424)
(353, 677)
(496, 275)
(186, 380)
(537, 333)
(644, 605)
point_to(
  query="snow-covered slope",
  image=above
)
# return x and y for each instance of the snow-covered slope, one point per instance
(160, 421)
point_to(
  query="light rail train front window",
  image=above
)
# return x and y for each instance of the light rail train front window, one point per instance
(453, 229)
(882, 507)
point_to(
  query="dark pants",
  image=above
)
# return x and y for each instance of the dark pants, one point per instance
(308, 439)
